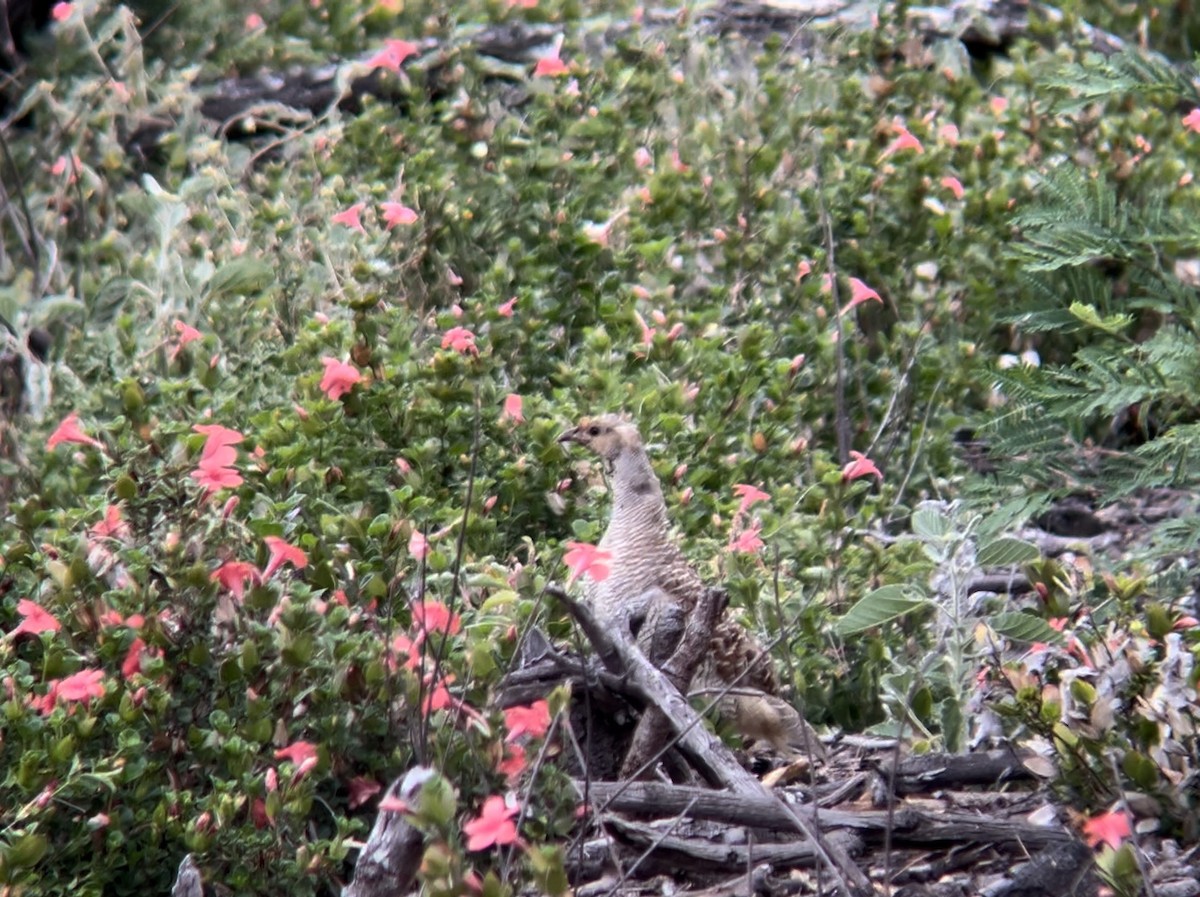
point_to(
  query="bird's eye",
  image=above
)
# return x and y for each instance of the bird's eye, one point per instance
(593, 430)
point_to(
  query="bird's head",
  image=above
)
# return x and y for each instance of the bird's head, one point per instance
(607, 435)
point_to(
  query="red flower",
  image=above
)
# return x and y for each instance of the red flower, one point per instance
(551, 66)
(747, 542)
(350, 217)
(533, 720)
(494, 825)
(514, 761)
(301, 753)
(214, 477)
(60, 12)
(748, 495)
(1191, 121)
(505, 309)
(81, 686)
(68, 431)
(35, 619)
(433, 616)
(860, 466)
(187, 334)
(339, 378)
(586, 560)
(436, 699)
(133, 658)
(512, 408)
(398, 213)
(460, 339)
(954, 185)
(113, 526)
(859, 293)
(393, 54)
(282, 553)
(1107, 828)
(418, 545)
(905, 141)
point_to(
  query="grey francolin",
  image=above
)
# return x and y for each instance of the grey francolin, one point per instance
(650, 581)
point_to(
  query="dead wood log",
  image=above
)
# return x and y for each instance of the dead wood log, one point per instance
(704, 751)
(907, 827)
(674, 851)
(388, 862)
(929, 772)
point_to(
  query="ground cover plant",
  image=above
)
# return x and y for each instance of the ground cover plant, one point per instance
(297, 497)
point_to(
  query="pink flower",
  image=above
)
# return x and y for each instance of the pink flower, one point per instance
(505, 309)
(642, 157)
(460, 339)
(350, 217)
(68, 431)
(949, 133)
(749, 495)
(513, 404)
(392, 803)
(418, 545)
(60, 12)
(217, 437)
(803, 269)
(282, 552)
(393, 54)
(954, 185)
(81, 686)
(859, 293)
(362, 789)
(533, 720)
(398, 213)
(433, 616)
(215, 477)
(493, 826)
(905, 141)
(748, 541)
(113, 526)
(301, 753)
(514, 761)
(587, 560)
(339, 377)
(132, 663)
(187, 334)
(253, 22)
(1107, 828)
(1191, 121)
(550, 66)
(233, 576)
(998, 104)
(35, 619)
(647, 330)
(860, 466)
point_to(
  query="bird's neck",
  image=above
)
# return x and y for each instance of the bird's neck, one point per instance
(637, 497)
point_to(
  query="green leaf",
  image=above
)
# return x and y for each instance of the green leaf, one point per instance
(241, 277)
(930, 523)
(1025, 628)
(1006, 552)
(880, 606)
(1113, 324)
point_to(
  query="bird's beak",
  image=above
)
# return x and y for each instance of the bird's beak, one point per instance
(571, 435)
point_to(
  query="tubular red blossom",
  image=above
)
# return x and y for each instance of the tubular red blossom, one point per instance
(533, 720)
(339, 379)
(233, 576)
(494, 825)
(282, 553)
(587, 560)
(351, 217)
(393, 54)
(460, 339)
(395, 213)
(513, 405)
(68, 431)
(860, 466)
(35, 619)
